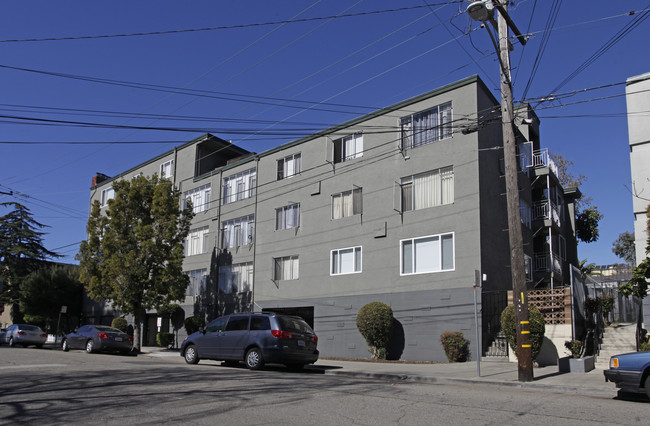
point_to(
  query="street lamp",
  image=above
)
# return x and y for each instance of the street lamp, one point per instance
(480, 10)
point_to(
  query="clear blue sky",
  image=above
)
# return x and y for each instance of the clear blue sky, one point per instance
(368, 61)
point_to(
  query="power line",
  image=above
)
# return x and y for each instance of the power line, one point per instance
(227, 27)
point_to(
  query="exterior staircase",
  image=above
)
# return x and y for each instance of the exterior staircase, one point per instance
(616, 340)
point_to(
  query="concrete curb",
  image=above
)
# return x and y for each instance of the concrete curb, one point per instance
(442, 380)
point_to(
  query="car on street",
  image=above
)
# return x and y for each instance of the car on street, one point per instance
(23, 334)
(630, 372)
(255, 339)
(98, 338)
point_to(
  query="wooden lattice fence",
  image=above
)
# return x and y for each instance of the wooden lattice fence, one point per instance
(554, 304)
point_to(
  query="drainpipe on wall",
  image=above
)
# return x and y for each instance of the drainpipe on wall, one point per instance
(550, 229)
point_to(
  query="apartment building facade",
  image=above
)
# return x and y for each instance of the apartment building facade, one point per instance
(400, 206)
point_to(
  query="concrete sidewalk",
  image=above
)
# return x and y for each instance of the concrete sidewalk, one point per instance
(499, 373)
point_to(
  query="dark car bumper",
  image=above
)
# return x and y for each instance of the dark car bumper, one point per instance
(279, 355)
(114, 346)
(624, 379)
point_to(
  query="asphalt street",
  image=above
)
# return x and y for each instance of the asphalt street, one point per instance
(52, 387)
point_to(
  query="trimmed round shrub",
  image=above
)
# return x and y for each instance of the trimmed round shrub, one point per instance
(120, 323)
(537, 328)
(165, 339)
(192, 324)
(375, 323)
(455, 345)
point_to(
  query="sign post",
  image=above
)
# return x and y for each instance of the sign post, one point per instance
(63, 310)
(477, 283)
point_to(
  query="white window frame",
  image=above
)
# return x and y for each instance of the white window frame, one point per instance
(441, 189)
(239, 186)
(350, 147)
(356, 203)
(286, 274)
(167, 165)
(200, 198)
(107, 194)
(289, 166)
(282, 218)
(441, 129)
(197, 241)
(198, 282)
(238, 232)
(561, 247)
(236, 278)
(413, 256)
(336, 261)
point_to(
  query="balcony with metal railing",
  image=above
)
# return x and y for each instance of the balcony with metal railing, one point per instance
(546, 210)
(542, 159)
(544, 262)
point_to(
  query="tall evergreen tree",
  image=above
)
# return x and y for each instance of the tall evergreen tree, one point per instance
(21, 252)
(134, 253)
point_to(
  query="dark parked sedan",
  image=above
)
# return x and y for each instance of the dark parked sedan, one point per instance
(255, 339)
(95, 338)
(25, 335)
(630, 372)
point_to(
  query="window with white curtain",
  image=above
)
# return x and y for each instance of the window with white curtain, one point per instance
(348, 148)
(200, 198)
(426, 127)
(428, 189)
(239, 186)
(238, 232)
(434, 253)
(198, 280)
(287, 217)
(345, 261)
(347, 203)
(167, 170)
(237, 278)
(288, 166)
(197, 241)
(286, 268)
(107, 194)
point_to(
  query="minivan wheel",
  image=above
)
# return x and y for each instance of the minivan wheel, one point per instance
(254, 360)
(191, 355)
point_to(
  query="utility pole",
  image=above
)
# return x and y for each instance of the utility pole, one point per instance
(483, 11)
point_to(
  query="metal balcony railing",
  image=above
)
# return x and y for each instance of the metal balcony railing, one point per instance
(546, 210)
(542, 158)
(544, 262)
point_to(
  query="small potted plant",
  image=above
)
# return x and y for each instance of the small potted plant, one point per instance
(576, 362)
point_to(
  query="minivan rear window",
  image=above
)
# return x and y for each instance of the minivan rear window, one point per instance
(294, 325)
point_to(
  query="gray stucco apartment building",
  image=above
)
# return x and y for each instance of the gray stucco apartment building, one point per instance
(400, 206)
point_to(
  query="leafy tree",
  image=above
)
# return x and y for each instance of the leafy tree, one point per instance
(133, 255)
(638, 284)
(21, 252)
(46, 290)
(624, 248)
(587, 215)
(587, 268)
